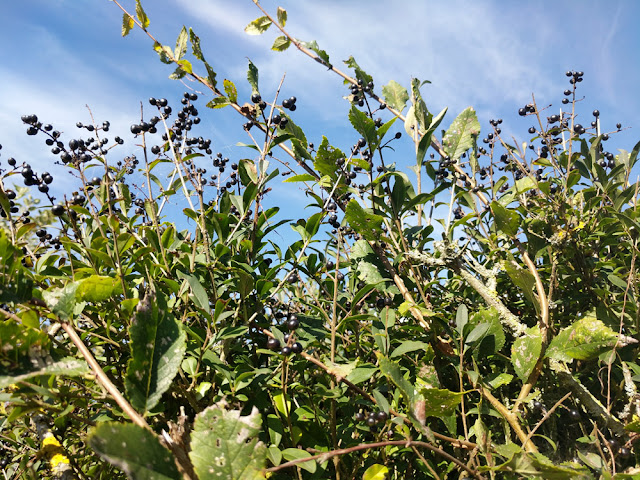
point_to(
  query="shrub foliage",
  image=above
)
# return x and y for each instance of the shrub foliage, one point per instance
(475, 317)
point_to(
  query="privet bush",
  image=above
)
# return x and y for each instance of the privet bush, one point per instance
(378, 343)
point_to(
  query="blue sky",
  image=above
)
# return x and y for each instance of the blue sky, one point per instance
(61, 55)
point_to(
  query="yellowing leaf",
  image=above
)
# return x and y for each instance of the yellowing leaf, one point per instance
(376, 472)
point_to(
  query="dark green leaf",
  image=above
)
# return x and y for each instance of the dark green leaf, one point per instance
(252, 77)
(364, 125)
(134, 450)
(392, 371)
(158, 343)
(360, 74)
(323, 57)
(68, 367)
(507, 221)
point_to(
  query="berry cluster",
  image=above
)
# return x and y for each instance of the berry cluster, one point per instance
(372, 418)
(290, 346)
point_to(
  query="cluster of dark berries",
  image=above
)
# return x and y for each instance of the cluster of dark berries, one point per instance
(458, 213)
(290, 346)
(289, 104)
(372, 418)
(359, 90)
(382, 302)
(529, 108)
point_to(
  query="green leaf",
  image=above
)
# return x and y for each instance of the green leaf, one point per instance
(462, 318)
(164, 52)
(158, 343)
(507, 221)
(584, 340)
(395, 95)
(323, 57)
(142, 17)
(496, 380)
(200, 297)
(303, 177)
(365, 126)
(281, 43)
(360, 74)
(375, 472)
(440, 402)
(326, 158)
(135, 450)
(488, 335)
(127, 24)
(218, 102)
(392, 371)
(62, 301)
(97, 288)
(462, 133)
(67, 367)
(290, 454)
(225, 444)
(425, 141)
(408, 346)
(252, 77)
(181, 43)
(524, 280)
(526, 351)
(258, 26)
(195, 45)
(364, 222)
(230, 90)
(282, 16)
(362, 373)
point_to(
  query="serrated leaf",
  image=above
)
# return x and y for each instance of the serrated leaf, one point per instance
(225, 444)
(326, 158)
(195, 45)
(97, 288)
(68, 367)
(135, 450)
(127, 24)
(375, 472)
(365, 126)
(323, 57)
(367, 224)
(258, 26)
(425, 141)
(525, 352)
(395, 95)
(230, 90)
(584, 340)
(211, 75)
(164, 52)
(281, 43)
(62, 301)
(142, 17)
(282, 16)
(252, 77)
(507, 220)
(360, 74)
(181, 43)
(462, 133)
(158, 343)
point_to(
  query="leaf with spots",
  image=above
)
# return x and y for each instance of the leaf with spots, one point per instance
(461, 134)
(365, 223)
(585, 340)
(158, 343)
(439, 402)
(134, 450)
(525, 352)
(225, 444)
